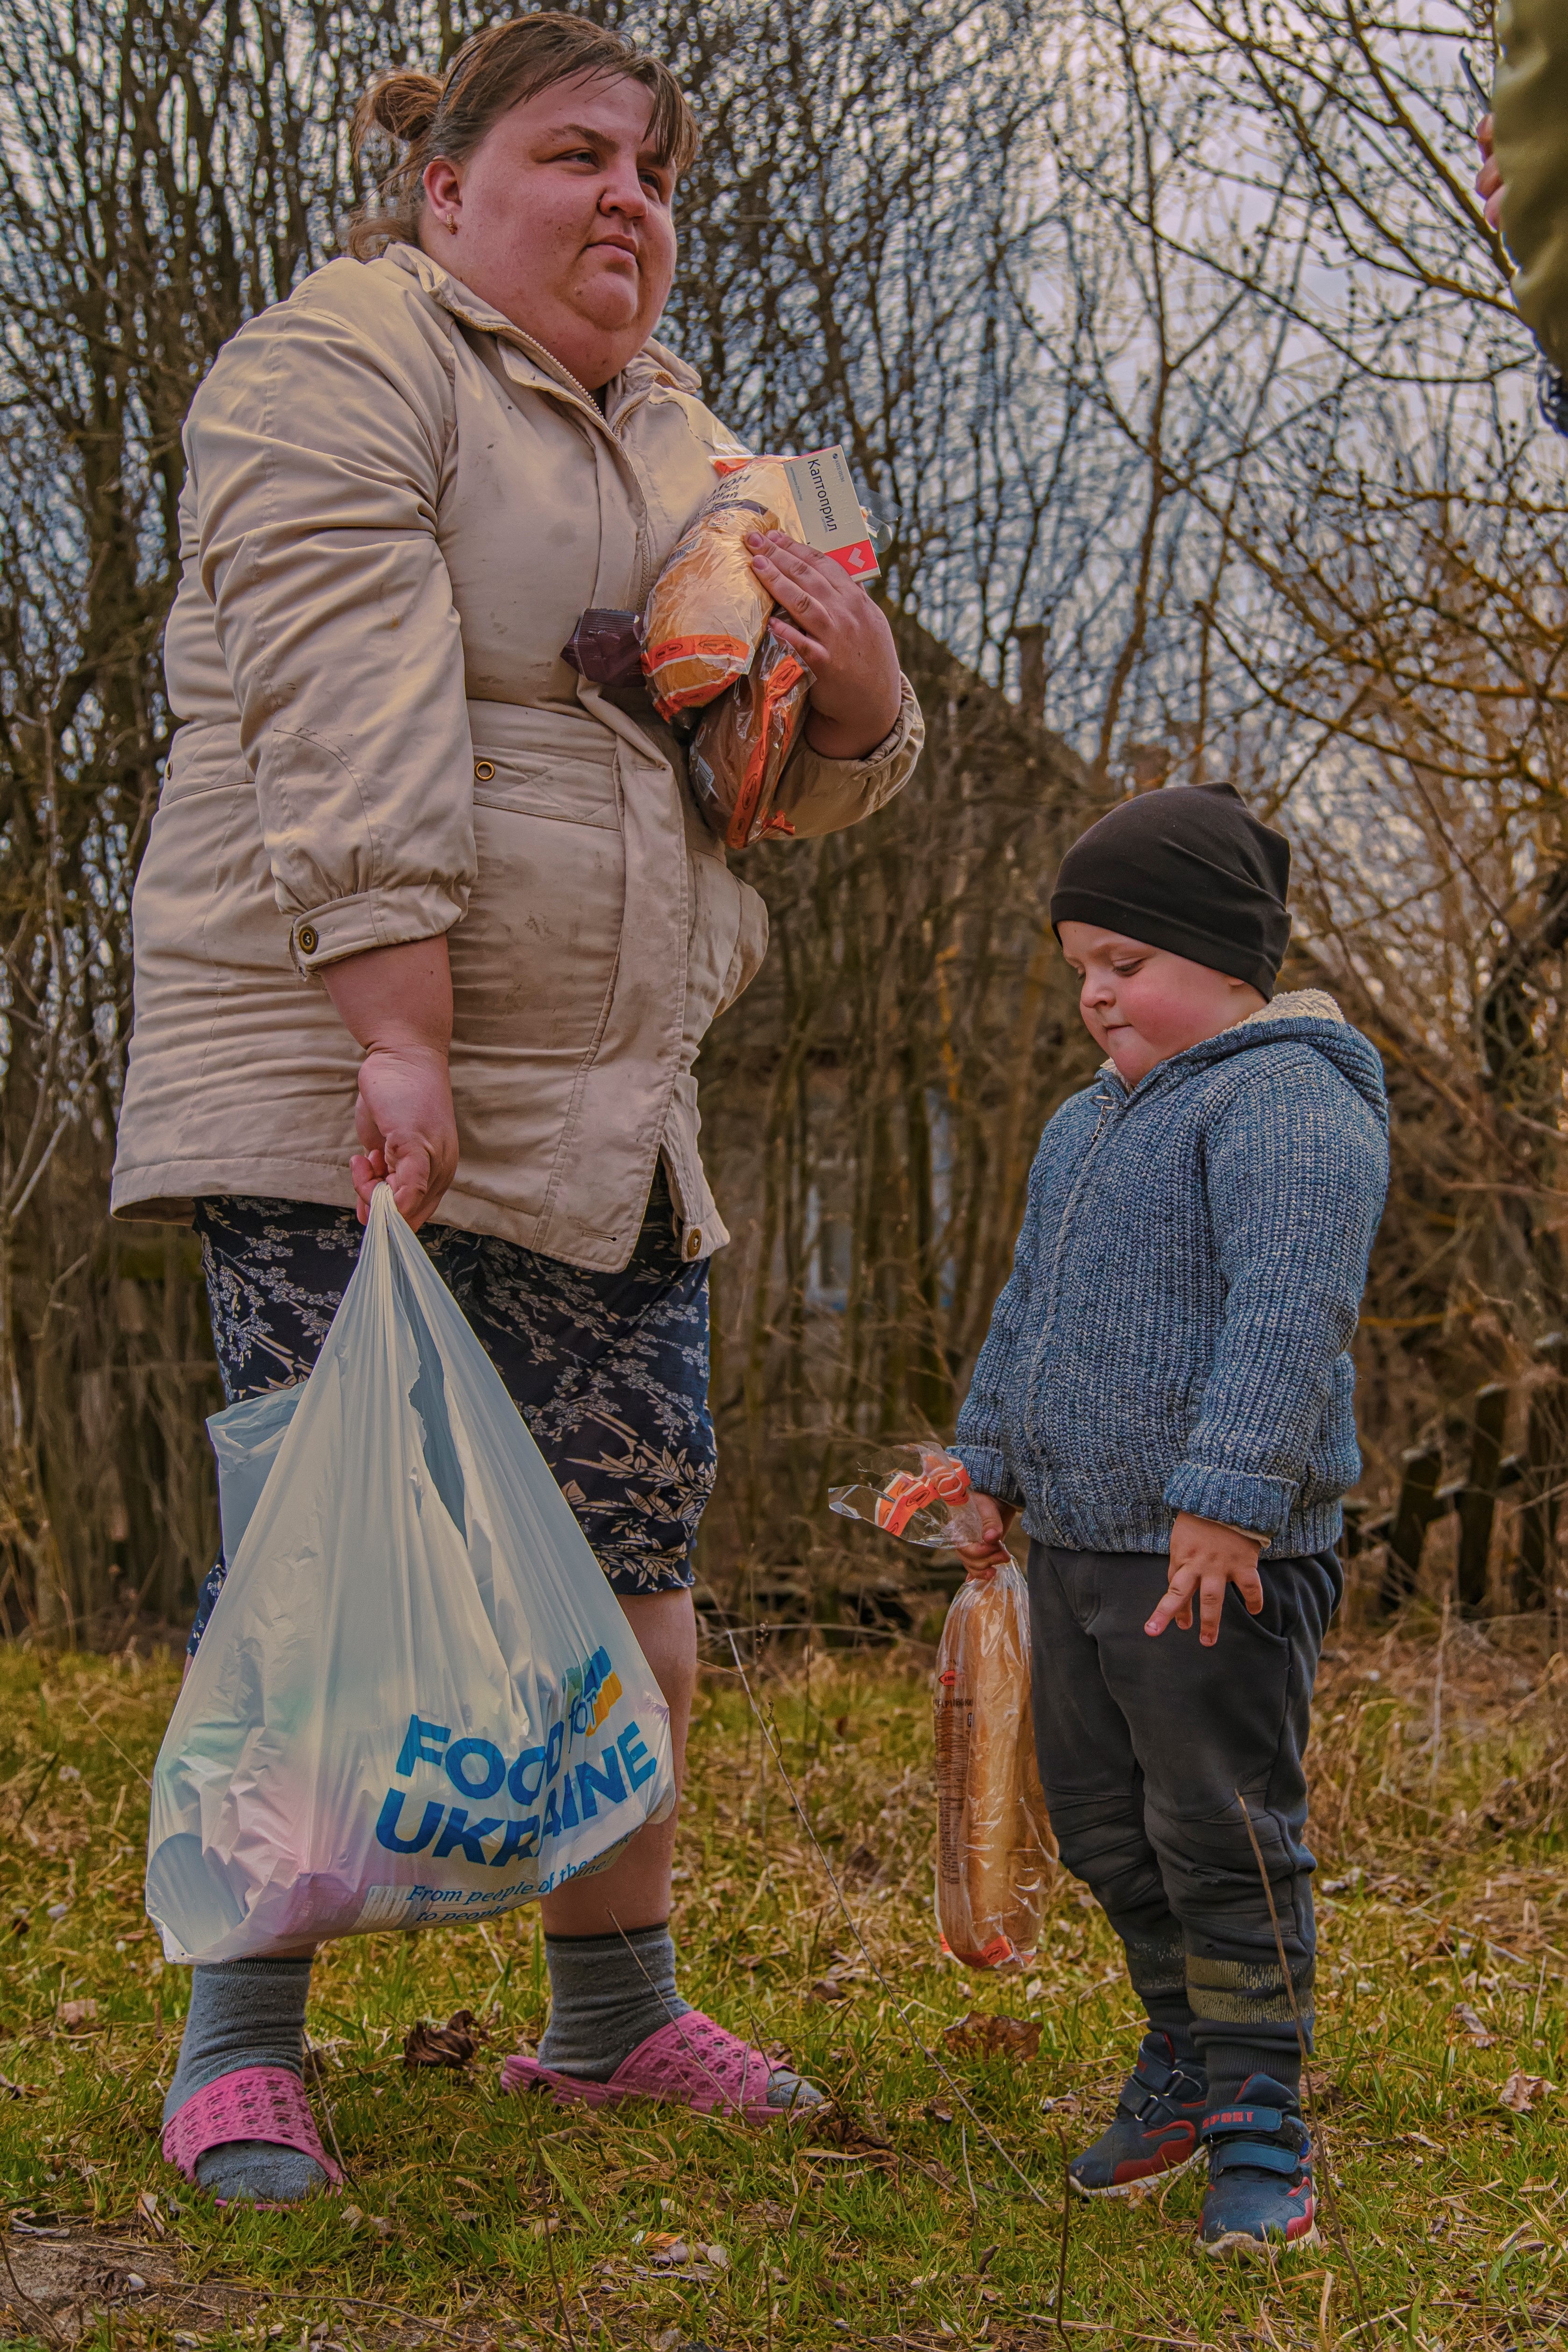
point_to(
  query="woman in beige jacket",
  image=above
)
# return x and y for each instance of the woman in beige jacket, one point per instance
(420, 903)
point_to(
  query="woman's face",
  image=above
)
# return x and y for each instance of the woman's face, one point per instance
(561, 220)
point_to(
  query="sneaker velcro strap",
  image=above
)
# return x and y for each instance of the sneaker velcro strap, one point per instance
(1231, 2152)
(1153, 2073)
(1220, 2120)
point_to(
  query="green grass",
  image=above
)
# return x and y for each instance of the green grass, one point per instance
(472, 2218)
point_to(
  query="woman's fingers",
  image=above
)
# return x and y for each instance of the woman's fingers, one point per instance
(841, 635)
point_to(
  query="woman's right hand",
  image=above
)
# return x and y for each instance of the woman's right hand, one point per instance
(982, 1559)
(405, 1122)
(396, 1002)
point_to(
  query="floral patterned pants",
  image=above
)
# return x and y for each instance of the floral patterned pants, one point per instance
(609, 1370)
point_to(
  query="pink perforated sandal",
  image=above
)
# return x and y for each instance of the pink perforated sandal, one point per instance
(690, 2060)
(266, 2103)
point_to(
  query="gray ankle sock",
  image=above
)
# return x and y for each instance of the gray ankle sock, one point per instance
(608, 1993)
(247, 2013)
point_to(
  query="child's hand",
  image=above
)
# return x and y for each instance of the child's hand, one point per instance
(1205, 1559)
(982, 1559)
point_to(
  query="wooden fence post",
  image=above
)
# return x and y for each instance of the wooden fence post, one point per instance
(1476, 1499)
(1417, 1508)
(1546, 1455)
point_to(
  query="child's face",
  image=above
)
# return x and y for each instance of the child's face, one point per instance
(1142, 1004)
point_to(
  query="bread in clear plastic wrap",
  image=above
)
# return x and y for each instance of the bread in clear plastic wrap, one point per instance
(743, 741)
(705, 618)
(995, 1853)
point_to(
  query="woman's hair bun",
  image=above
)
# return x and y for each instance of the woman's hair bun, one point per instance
(400, 105)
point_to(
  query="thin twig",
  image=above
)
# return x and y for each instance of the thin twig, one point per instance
(114, 1744)
(327, 2111)
(1438, 1696)
(1329, 2200)
(554, 2276)
(1066, 2227)
(20, 2292)
(900, 2006)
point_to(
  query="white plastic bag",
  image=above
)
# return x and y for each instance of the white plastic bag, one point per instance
(417, 1698)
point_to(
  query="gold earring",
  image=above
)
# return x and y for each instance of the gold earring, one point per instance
(452, 223)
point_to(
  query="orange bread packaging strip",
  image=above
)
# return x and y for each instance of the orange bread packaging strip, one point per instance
(706, 616)
(742, 743)
(995, 1854)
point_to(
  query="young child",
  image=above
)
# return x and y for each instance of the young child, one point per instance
(1165, 1394)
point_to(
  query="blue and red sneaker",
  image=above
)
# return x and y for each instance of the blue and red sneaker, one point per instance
(1259, 2198)
(1155, 2126)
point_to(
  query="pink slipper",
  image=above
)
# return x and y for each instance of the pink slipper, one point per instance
(690, 2060)
(264, 2103)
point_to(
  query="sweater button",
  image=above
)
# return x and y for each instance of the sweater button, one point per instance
(307, 939)
(694, 1242)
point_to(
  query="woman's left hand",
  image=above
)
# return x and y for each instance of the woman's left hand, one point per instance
(841, 635)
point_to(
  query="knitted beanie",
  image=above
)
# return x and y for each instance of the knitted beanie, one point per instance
(1188, 868)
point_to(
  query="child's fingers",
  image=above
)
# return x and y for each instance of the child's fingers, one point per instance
(1210, 1606)
(1176, 1606)
(1249, 1584)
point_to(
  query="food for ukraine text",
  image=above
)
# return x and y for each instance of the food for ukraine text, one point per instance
(477, 1767)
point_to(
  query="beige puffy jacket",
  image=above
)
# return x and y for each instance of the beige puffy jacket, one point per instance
(397, 506)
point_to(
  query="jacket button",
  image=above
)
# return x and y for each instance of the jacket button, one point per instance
(484, 771)
(308, 941)
(694, 1242)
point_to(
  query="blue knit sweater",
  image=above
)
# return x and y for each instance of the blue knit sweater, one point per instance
(1175, 1333)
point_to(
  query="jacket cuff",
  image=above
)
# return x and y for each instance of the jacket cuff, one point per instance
(988, 1470)
(892, 742)
(1238, 1498)
(372, 919)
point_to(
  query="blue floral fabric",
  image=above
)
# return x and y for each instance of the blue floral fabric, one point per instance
(609, 1370)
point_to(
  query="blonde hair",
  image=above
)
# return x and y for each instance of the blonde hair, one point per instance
(421, 116)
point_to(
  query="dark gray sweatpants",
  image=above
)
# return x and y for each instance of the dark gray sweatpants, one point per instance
(1143, 1744)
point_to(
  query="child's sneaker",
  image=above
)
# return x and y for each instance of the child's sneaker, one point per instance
(1259, 2196)
(1155, 2126)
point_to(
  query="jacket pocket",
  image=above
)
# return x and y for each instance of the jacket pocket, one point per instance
(204, 760)
(566, 791)
(534, 958)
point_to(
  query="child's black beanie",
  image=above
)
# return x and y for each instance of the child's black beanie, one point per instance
(1188, 868)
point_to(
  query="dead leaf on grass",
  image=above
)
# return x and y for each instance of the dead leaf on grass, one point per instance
(991, 2037)
(1466, 2016)
(1521, 2091)
(773, 2215)
(74, 2014)
(829, 1987)
(452, 2044)
(862, 2135)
